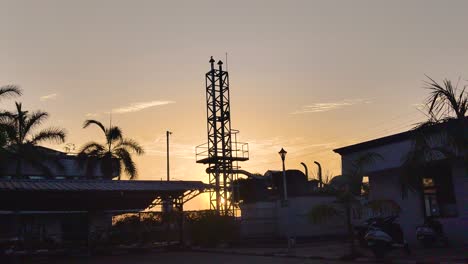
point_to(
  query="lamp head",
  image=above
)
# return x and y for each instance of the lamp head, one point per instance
(282, 153)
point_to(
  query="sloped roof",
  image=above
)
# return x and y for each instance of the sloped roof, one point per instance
(99, 185)
(391, 139)
(88, 195)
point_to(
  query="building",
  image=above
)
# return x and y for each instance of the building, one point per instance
(73, 204)
(445, 183)
(265, 214)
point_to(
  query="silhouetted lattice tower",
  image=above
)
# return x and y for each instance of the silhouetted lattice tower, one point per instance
(221, 152)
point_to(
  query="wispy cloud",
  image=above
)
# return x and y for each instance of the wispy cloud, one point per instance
(330, 106)
(135, 107)
(157, 147)
(48, 97)
(92, 115)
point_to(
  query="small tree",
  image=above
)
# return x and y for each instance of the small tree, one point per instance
(111, 156)
(346, 197)
(6, 92)
(444, 135)
(22, 142)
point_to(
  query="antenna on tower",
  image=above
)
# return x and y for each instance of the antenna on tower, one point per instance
(226, 62)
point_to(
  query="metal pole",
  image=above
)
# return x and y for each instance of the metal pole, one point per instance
(167, 142)
(319, 174)
(285, 184)
(285, 188)
(306, 170)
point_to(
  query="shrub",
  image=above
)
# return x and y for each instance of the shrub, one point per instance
(207, 228)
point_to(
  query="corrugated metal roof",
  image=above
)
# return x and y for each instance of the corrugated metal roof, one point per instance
(98, 185)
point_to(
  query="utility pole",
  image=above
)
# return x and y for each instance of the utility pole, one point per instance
(167, 141)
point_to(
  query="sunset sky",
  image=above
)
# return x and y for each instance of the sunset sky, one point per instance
(309, 76)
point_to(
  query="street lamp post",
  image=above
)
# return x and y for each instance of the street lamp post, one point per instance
(282, 154)
(285, 189)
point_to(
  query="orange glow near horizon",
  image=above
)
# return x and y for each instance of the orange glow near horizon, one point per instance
(307, 77)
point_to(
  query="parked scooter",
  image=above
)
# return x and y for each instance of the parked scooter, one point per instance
(431, 233)
(385, 234)
(360, 231)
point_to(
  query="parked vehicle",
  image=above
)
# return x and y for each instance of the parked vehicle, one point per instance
(384, 234)
(8, 245)
(431, 233)
(360, 231)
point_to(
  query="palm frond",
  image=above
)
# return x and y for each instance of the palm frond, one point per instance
(10, 90)
(445, 98)
(91, 147)
(52, 134)
(35, 119)
(132, 145)
(114, 134)
(94, 122)
(126, 159)
(7, 117)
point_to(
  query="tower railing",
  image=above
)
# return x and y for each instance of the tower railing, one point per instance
(239, 151)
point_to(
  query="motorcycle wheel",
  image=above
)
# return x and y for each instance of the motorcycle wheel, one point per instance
(380, 249)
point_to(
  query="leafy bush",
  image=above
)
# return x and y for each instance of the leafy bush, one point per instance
(207, 228)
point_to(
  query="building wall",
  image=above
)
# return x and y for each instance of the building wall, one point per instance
(456, 228)
(270, 219)
(384, 184)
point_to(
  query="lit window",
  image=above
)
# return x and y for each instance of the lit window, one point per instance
(439, 198)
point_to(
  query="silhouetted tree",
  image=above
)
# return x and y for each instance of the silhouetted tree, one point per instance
(443, 135)
(22, 141)
(6, 92)
(346, 196)
(111, 156)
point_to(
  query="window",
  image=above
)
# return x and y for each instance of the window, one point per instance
(439, 198)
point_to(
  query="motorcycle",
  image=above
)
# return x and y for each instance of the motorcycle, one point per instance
(431, 233)
(383, 235)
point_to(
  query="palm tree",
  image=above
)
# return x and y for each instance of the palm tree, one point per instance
(5, 92)
(446, 105)
(112, 156)
(347, 197)
(22, 143)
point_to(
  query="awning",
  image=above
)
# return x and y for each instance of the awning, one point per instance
(89, 195)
